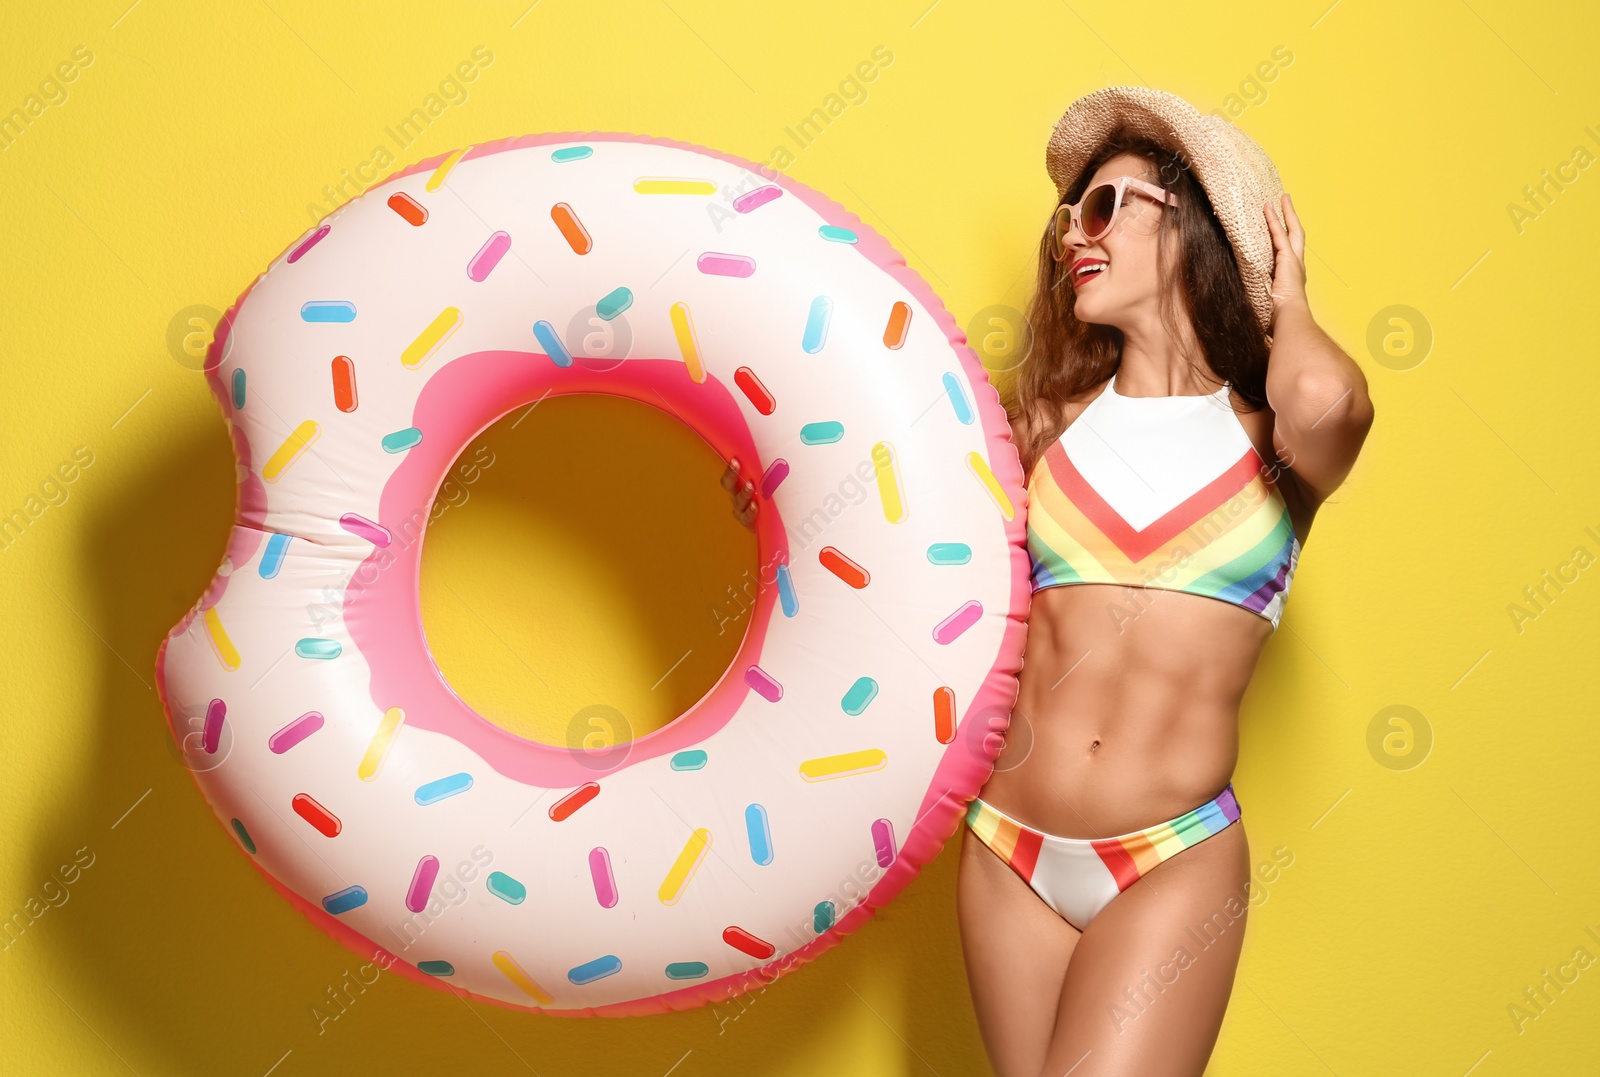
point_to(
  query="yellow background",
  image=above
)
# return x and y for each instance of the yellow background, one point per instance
(1420, 902)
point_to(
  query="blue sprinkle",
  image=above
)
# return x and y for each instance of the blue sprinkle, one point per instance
(786, 595)
(816, 334)
(614, 303)
(435, 791)
(322, 649)
(436, 968)
(864, 691)
(598, 969)
(333, 310)
(759, 828)
(401, 440)
(351, 897)
(238, 387)
(694, 759)
(821, 433)
(545, 334)
(822, 917)
(272, 557)
(837, 234)
(571, 153)
(958, 398)
(949, 553)
(506, 888)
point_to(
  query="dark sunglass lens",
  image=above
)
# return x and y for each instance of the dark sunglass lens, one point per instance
(1097, 210)
(1059, 227)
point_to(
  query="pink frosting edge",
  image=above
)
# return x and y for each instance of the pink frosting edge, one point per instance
(962, 771)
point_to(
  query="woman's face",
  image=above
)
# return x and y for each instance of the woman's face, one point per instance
(1127, 290)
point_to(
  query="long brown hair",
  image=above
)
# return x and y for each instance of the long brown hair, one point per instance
(1069, 356)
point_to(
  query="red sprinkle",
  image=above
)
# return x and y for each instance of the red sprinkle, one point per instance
(844, 568)
(344, 383)
(408, 208)
(574, 800)
(746, 379)
(740, 939)
(315, 814)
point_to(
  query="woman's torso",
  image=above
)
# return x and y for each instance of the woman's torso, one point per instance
(1128, 701)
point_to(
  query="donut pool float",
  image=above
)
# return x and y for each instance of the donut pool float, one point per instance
(867, 699)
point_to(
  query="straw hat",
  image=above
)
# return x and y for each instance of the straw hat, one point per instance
(1237, 174)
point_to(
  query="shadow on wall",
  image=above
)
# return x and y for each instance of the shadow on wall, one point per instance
(181, 959)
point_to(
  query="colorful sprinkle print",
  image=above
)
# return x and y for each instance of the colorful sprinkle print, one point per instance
(782, 334)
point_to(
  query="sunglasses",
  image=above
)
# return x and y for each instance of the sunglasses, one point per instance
(1096, 211)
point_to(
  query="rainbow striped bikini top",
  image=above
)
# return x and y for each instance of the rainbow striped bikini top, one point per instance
(1165, 492)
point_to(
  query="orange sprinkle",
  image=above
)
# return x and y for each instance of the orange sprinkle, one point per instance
(894, 334)
(576, 234)
(944, 714)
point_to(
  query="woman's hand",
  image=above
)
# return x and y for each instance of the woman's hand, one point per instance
(1289, 267)
(744, 497)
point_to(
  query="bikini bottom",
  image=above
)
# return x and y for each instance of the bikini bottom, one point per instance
(1077, 877)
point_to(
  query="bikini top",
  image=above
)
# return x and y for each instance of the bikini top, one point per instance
(1163, 492)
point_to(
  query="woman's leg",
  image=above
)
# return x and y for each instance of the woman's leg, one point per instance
(1016, 951)
(1150, 979)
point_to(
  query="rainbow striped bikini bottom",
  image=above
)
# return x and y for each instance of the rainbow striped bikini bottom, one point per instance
(1077, 877)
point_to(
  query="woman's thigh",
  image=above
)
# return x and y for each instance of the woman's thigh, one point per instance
(1150, 979)
(1016, 950)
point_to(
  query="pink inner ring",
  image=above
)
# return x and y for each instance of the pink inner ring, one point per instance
(382, 606)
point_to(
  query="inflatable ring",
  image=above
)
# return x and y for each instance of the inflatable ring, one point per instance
(877, 673)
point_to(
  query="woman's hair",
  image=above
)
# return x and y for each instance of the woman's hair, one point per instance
(1069, 356)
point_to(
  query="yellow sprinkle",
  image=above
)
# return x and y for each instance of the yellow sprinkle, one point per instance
(382, 740)
(436, 180)
(890, 490)
(419, 351)
(842, 766)
(513, 972)
(291, 449)
(683, 869)
(683, 329)
(980, 468)
(221, 645)
(673, 185)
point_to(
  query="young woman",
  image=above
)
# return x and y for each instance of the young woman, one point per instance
(1176, 457)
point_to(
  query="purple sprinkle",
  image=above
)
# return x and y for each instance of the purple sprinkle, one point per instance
(211, 735)
(725, 265)
(769, 689)
(310, 241)
(422, 883)
(295, 732)
(758, 197)
(958, 622)
(776, 472)
(362, 527)
(883, 842)
(488, 256)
